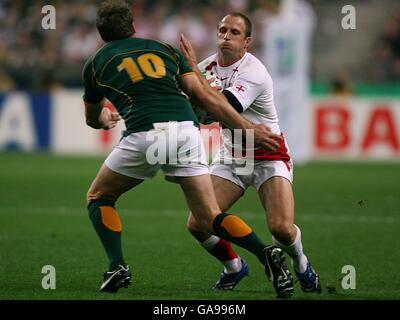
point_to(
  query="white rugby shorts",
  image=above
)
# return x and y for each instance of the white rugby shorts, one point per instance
(263, 170)
(174, 147)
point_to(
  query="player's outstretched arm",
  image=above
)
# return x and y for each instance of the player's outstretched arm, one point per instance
(99, 117)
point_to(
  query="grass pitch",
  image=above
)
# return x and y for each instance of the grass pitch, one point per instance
(349, 214)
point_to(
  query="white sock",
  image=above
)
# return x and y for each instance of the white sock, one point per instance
(295, 251)
(231, 266)
(210, 242)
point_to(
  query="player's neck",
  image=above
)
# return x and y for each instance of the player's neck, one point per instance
(226, 60)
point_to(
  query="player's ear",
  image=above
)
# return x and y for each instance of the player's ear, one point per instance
(247, 42)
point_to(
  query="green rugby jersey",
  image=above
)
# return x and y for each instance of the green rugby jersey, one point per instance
(140, 77)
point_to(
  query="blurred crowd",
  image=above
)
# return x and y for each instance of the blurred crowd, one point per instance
(34, 58)
(387, 52)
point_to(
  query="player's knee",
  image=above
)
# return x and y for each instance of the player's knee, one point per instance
(281, 230)
(89, 196)
(192, 225)
(95, 194)
(205, 226)
(197, 230)
(200, 226)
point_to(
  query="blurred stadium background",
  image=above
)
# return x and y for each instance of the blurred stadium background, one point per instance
(347, 194)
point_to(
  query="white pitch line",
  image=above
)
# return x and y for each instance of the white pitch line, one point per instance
(313, 217)
(349, 218)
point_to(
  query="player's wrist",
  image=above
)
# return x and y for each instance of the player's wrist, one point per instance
(104, 118)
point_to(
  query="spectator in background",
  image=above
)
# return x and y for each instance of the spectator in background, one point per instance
(80, 43)
(341, 85)
(392, 36)
(185, 21)
(6, 82)
(150, 25)
(386, 66)
(21, 61)
(288, 26)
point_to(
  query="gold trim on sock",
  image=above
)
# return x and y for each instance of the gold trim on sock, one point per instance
(110, 218)
(236, 226)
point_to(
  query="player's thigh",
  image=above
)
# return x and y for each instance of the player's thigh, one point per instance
(226, 194)
(228, 186)
(110, 185)
(131, 158)
(187, 156)
(201, 199)
(276, 196)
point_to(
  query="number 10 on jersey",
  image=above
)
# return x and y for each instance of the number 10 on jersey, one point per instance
(149, 64)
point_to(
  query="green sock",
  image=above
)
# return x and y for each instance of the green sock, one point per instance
(235, 230)
(106, 222)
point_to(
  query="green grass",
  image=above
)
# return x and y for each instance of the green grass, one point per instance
(348, 213)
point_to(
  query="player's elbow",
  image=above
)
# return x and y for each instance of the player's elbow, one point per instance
(93, 123)
(90, 122)
(197, 94)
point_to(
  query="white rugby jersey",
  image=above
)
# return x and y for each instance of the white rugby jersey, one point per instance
(249, 81)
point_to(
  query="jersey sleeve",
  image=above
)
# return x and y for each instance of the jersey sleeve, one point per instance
(248, 86)
(184, 67)
(91, 93)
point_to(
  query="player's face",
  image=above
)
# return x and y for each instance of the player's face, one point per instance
(232, 38)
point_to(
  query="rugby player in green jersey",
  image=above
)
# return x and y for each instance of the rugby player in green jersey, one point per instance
(143, 78)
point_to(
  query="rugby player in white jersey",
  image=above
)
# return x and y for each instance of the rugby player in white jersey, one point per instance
(247, 85)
